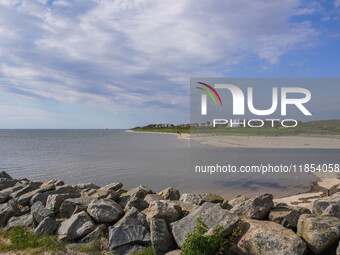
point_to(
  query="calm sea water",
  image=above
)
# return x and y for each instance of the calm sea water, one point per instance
(153, 160)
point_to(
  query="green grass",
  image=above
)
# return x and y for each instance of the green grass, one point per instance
(163, 129)
(146, 251)
(22, 239)
(91, 247)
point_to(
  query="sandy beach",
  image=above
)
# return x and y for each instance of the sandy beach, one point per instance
(296, 142)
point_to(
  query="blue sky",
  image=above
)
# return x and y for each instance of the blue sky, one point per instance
(119, 64)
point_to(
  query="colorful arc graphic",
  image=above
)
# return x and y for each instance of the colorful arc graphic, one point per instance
(213, 90)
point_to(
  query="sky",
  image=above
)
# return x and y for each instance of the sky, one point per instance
(125, 63)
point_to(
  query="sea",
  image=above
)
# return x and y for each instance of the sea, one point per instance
(153, 160)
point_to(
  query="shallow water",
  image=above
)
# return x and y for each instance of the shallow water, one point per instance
(153, 160)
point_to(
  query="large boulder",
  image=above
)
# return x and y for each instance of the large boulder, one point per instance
(136, 202)
(151, 197)
(199, 199)
(98, 232)
(87, 185)
(6, 183)
(256, 208)
(105, 210)
(212, 215)
(113, 186)
(320, 205)
(74, 205)
(161, 239)
(332, 210)
(133, 217)
(285, 216)
(47, 226)
(25, 220)
(139, 192)
(28, 188)
(164, 209)
(128, 235)
(39, 212)
(79, 225)
(54, 201)
(42, 196)
(3, 174)
(268, 238)
(170, 194)
(3, 197)
(7, 210)
(187, 207)
(237, 200)
(320, 232)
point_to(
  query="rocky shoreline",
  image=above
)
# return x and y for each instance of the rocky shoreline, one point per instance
(133, 219)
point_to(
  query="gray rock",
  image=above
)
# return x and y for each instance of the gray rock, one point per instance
(16, 187)
(133, 217)
(199, 199)
(87, 185)
(237, 200)
(3, 197)
(139, 192)
(268, 238)
(129, 249)
(28, 188)
(98, 232)
(105, 210)
(128, 235)
(161, 239)
(225, 205)
(47, 226)
(170, 194)
(25, 220)
(7, 210)
(54, 201)
(320, 232)
(74, 205)
(284, 216)
(164, 209)
(187, 207)
(79, 225)
(256, 208)
(152, 197)
(332, 210)
(212, 215)
(113, 186)
(6, 183)
(42, 196)
(114, 195)
(136, 202)
(25, 198)
(3, 174)
(319, 206)
(39, 212)
(53, 182)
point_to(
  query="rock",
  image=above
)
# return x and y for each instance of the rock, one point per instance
(161, 238)
(25, 220)
(24, 190)
(199, 199)
(128, 235)
(187, 207)
(74, 205)
(54, 201)
(113, 186)
(39, 212)
(3, 197)
(98, 193)
(87, 185)
(47, 226)
(79, 225)
(152, 197)
(256, 208)
(284, 216)
(6, 183)
(268, 238)
(105, 210)
(25, 198)
(114, 195)
(164, 209)
(52, 182)
(225, 205)
(16, 187)
(133, 217)
(174, 252)
(3, 174)
(170, 194)
(42, 196)
(7, 210)
(129, 249)
(332, 210)
(319, 206)
(320, 232)
(212, 215)
(237, 200)
(136, 202)
(74, 246)
(139, 192)
(98, 232)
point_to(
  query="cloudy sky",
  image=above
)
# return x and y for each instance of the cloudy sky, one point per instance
(122, 63)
